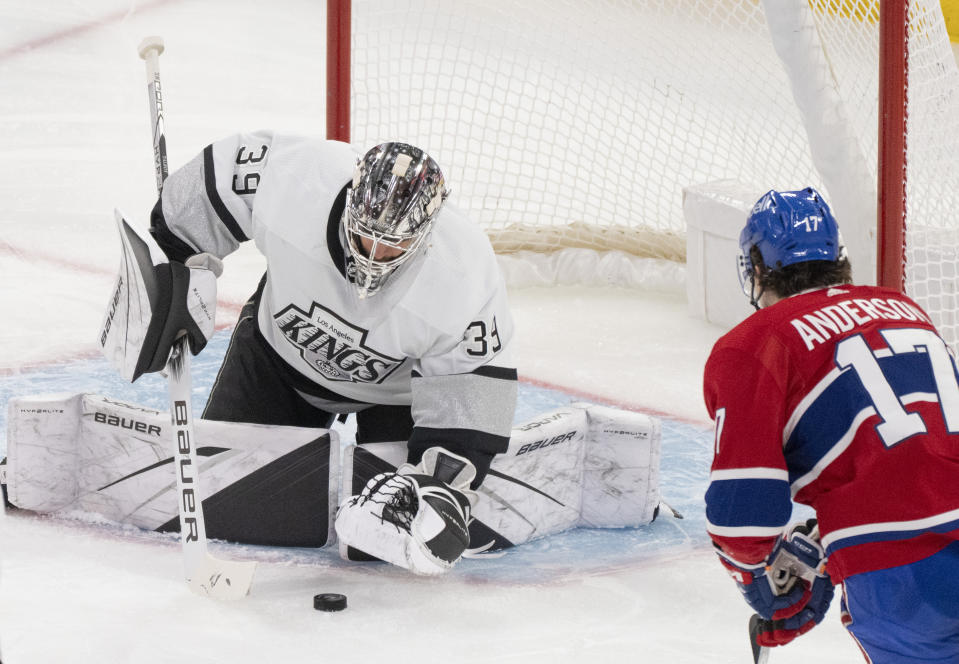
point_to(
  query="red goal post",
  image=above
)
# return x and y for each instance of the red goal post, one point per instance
(894, 75)
(570, 128)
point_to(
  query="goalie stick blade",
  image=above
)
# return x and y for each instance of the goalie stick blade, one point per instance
(760, 653)
(222, 579)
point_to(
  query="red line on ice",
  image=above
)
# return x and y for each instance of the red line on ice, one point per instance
(73, 31)
(615, 403)
(33, 256)
(88, 351)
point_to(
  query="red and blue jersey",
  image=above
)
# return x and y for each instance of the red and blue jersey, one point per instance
(844, 399)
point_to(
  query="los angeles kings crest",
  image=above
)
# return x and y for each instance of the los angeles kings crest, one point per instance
(334, 347)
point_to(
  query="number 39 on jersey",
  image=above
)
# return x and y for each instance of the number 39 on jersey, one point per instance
(482, 339)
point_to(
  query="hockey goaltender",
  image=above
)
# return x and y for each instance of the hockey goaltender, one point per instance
(381, 300)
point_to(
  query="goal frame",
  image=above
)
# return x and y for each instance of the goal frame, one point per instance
(338, 70)
(891, 171)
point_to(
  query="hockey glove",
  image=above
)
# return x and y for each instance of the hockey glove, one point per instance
(191, 311)
(416, 518)
(154, 302)
(790, 589)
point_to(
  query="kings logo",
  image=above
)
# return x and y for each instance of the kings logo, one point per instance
(332, 346)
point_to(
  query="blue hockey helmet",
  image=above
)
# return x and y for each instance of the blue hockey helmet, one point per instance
(789, 227)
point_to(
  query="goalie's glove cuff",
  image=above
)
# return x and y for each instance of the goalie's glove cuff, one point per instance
(412, 518)
(454, 470)
(790, 590)
(201, 298)
(190, 311)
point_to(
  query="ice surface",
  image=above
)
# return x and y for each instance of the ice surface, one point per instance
(74, 131)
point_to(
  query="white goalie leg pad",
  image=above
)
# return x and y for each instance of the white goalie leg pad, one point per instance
(581, 465)
(621, 468)
(86, 455)
(535, 488)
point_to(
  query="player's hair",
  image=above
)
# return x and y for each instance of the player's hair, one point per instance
(791, 279)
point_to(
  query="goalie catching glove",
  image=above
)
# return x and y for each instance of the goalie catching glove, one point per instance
(154, 302)
(790, 589)
(416, 518)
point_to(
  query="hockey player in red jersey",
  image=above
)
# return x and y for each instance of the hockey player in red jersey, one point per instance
(843, 398)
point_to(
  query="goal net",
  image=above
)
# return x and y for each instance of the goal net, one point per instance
(575, 125)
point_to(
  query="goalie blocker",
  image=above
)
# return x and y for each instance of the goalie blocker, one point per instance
(581, 465)
(153, 302)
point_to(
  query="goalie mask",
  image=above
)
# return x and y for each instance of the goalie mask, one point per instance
(397, 192)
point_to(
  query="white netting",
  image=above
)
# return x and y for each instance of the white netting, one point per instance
(932, 169)
(569, 123)
(577, 123)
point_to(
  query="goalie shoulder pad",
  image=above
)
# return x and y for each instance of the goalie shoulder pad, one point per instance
(153, 302)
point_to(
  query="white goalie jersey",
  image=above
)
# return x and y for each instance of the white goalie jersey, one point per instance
(437, 337)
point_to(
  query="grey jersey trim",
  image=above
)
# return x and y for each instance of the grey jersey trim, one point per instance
(465, 401)
(209, 174)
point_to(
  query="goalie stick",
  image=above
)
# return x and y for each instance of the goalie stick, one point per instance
(205, 575)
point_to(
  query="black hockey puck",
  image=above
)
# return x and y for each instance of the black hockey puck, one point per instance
(329, 602)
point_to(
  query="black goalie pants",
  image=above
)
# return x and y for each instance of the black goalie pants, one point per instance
(255, 385)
